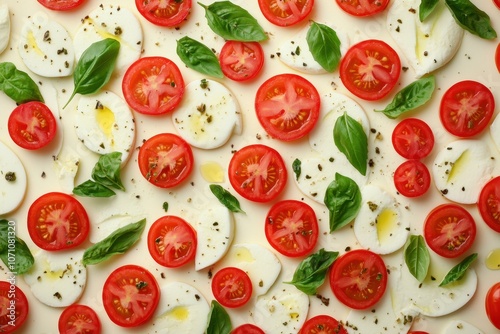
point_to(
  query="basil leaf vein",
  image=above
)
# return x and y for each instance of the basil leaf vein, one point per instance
(417, 257)
(351, 139)
(91, 188)
(23, 258)
(107, 170)
(471, 18)
(198, 57)
(218, 320)
(18, 85)
(226, 198)
(343, 200)
(324, 45)
(426, 8)
(457, 272)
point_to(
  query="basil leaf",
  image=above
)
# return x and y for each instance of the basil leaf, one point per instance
(107, 170)
(426, 8)
(296, 167)
(91, 188)
(351, 139)
(95, 66)
(471, 18)
(324, 45)
(232, 22)
(165, 206)
(417, 257)
(218, 320)
(410, 97)
(117, 242)
(199, 57)
(18, 85)
(343, 200)
(226, 198)
(311, 272)
(23, 259)
(457, 272)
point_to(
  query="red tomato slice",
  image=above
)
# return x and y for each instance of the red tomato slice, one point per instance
(153, 85)
(412, 178)
(57, 221)
(258, 173)
(247, 329)
(323, 324)
(449, 230)
(285, 12)
(358, 279)
(489, 204)
(370, 69)
(165, 160)
(166, 13)
(492, 305)
(231, 287)
(61, 4)
(78, 318)
(363, 7)
(130, 295)
(241, 61)
(497, 56)
(292, 228)
(14, 307)
(287, 106)
(466, 108)
(497, 3)
(172, 241)
(412, 138)
(32, 125)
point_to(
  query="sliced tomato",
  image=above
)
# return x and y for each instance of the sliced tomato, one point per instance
(492, 305)
(370, 69)
(241, 61)
(258, 173)
(231, 287)
(292, 228)
(287, 106)
(14, 307)
(358, 279)
(363, 7)
(497, 3)
(32, 125)
(489, 204)
(172, 241)
(57, 221)
(322, 324)
(166, 13)
(165, 160)
(61, 4)
(466, 108)
(285, 12)
(247, 329)
(78, 318)
(412, 138)
(412, 178)
(449, 230)
(497, 56)
(130, 295)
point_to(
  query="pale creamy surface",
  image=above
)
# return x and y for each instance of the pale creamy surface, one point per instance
(474, 60)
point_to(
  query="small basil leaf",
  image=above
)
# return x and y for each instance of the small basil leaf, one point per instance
(410, 97)
(311, 272)
(107, 170)
(199, 57)
(471, 18)
(324, 45)
(457, 272)
(426, 8)
(90, 188)
(18, 85)
(343, 200)
(117, 242)
(351, 139)
(417, 257)
(23, 259)
(232, 22)
(218, 320)
(226, 198)
(165, 206)
(296, 167)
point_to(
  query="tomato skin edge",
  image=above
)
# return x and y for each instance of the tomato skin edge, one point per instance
(492, 305)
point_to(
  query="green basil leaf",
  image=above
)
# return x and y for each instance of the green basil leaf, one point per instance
(107, 171)
(457, 272)
(311, 272)
(426, 8)
(351, 139)
(23, 259)
(199, 57)
(417, 257)
(296, 167)
(410, 97)
(117, 242)
(226, 198)
(95, 66)
(324, 45)
(471, 18)
(218, 320)
(343, 200)
(91, 188)
(232, 22)
(18, 85)
(165, 206)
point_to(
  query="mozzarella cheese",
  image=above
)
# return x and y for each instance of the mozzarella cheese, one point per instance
(66, 167)
(105, 227)
(13, 180)
(4, 27)
(461, 327)
(495, 132)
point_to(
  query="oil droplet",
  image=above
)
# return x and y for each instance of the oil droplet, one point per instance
(106, 120)
(386, 224)
(493, 259)
(458, 166)
(244, 255)
(180, 313)
(212, 172)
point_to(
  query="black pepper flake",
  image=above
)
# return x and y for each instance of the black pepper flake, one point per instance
(10, 176)
(141, 285)
(57, 295)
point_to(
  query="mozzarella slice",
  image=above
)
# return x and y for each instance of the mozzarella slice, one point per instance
(13, 180)
(46, 47)
(461, 327)
(107, 226)
(105, 124)
(4, 27)
(208, 115)
(495, 132)
(57, 279)
(427, 45)
(461, 170)
(66, 167)
(111, 21)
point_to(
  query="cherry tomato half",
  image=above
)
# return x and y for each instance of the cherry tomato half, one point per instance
(449, 230)
(497, 3)
(10, 295)
(287, 106)
(363, 7)
(164, 13)
(489, 203)
(412, 178)
(323, 324)
(78, 318)
(247, 329)
(466, 108)
(370, 69)
(231, 287)
(61, 5)
(241, 61)
(492, 305)
(412, 138)
(497, 57)
(57, 221)
(285, 13)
